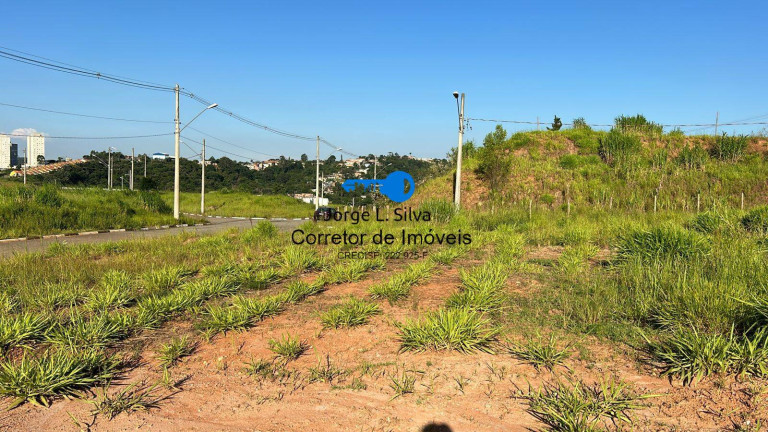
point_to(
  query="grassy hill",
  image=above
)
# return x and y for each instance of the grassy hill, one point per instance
(618, 169)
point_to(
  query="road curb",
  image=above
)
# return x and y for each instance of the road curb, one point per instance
(246, 218)
(87, 233)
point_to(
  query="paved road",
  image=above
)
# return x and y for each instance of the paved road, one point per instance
(216, 225)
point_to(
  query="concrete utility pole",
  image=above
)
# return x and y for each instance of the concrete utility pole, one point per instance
(25, 165)
(317, 176)
(133, 156)
(717, 120)
(375, 166)
(145, 165)
(109, 168)
(202, 183)
(176, 166)
(457, 193)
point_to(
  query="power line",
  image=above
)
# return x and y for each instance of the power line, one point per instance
(611, 125)
(221, 150)
(58, 66)
(84, 115)
(94, 138)
(227, 142)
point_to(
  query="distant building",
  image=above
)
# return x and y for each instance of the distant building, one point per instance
(5, 152)
(14, 154)
(161, 156)
(35, 149)
(265, 164)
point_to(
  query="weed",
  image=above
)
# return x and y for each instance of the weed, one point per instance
(297, 291)
(288, 348)
(540, 353)
(130, 399)
(402, 384)
(169, 354)
(17, 330)
(325, 371)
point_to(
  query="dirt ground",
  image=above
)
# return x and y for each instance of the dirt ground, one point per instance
(453, 391)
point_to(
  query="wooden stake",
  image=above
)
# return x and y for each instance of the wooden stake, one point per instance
(742, 200)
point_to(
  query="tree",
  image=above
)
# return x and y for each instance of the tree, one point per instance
(40, 160)
(495, 164)
(304, 157)
(556, 124)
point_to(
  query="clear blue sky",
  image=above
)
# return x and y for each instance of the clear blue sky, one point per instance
(378, 77)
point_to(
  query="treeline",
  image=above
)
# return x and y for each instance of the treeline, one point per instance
(287, 177)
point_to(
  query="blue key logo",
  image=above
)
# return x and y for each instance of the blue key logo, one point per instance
(398, 186)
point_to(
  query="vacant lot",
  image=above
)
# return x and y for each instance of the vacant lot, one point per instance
(585, 321)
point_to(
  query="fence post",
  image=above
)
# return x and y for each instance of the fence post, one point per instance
(698, 203)
(742, 200)
(610, 205)
(569, 206)
(530, 208)
(654, 203)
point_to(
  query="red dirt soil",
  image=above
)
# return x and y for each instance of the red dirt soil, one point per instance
(467, 392)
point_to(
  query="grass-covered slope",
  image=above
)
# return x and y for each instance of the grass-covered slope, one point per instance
(31, 210)
(616, 169)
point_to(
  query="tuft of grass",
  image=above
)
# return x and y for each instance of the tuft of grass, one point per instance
(259, 308)
(350, 271)
(164, 279)
(353, 313)
(662, 243)
(169, 354)
(691, 355)
(463, 330)
(288, 348)
(325, 371)
(130, 399)
(82, 332)
(402, 384)
(298, 259)
(579, 407)
(17, 330)
(38, 380)
(297, 291)
(115, 290)
(218, 319)
(399, 285)
(756, 220)
(482, 288)
(269, 370)
(540, 353)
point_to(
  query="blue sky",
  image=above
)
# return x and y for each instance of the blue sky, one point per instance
(377, 77)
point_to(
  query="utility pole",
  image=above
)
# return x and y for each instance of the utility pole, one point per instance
(145, 165)
(177, 166)
(317, 176)
(133, 156)
(202, 184)
(322, 185)
(457, 193)
(375, 165)
(25, 164)
(717, 120)
(109, 169)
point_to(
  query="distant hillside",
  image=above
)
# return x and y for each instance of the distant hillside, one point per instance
(621, 168)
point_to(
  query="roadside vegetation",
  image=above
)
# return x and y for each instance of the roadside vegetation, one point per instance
(41, 210)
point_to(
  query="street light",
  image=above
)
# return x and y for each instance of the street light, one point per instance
(177, 166)
(460, 109)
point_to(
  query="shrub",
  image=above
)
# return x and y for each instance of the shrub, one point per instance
(729, 148)
(692, 157)
(637, 123)
(580, 123)
(618, 147)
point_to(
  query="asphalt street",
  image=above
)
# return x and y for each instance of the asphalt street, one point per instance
(215, 225)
